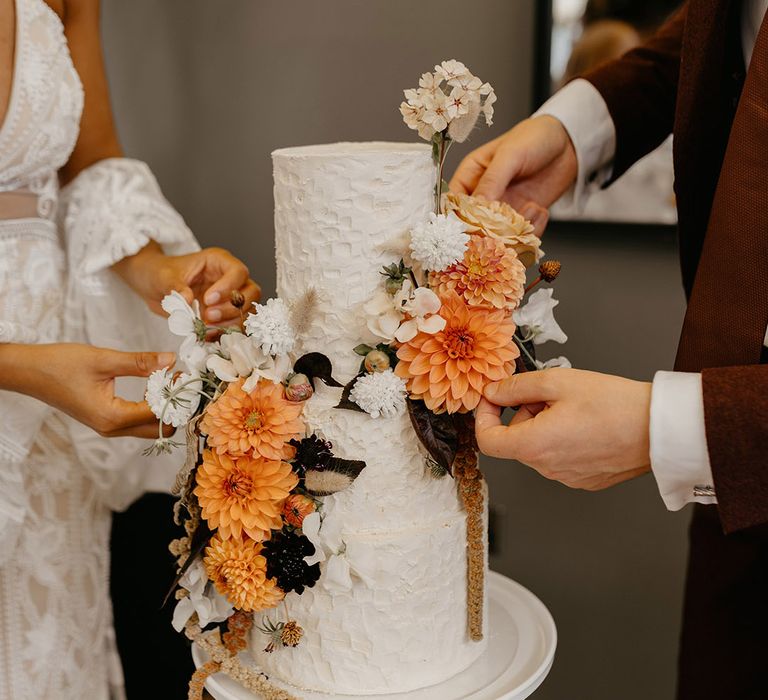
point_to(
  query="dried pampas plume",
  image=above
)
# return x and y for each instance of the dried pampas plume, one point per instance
(302, 310)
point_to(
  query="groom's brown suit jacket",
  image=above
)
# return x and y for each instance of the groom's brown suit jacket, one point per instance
(688, 80)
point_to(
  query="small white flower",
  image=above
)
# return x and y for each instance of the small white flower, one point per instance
(451, 70)
(554, 362)
(422, 306)
(241, 357)
(439, 242)
(270, 326)
(173, 401)
(459, 102)
(203, 599)
(436, 113)
(183, 319)
(381, 394)
(537, 315)
(430, 83)
(402, 316)
(325, 537)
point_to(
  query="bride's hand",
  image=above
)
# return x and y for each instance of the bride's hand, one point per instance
(79, 380)
(210, 276)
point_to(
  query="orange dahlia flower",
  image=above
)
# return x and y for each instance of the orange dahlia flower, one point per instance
(450, 369)
(261, 422)
(243, 494)
(488, 275)
(238, 569)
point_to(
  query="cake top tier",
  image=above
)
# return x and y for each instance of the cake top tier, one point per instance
(369, 149)
(337, 207)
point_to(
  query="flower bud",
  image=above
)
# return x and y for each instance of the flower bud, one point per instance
(393, 285)
(298, 388)
(377, 361)
(549, 270)
(237, 299)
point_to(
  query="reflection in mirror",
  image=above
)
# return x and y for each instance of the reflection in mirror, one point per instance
(585, 34)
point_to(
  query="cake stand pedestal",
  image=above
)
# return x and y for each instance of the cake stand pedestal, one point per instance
(521, 647)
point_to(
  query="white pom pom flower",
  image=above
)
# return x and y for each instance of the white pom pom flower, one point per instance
(270, 326)
(439, 242)
(381, 394)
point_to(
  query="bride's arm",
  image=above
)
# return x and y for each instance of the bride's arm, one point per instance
(79, 380)
(99, 167)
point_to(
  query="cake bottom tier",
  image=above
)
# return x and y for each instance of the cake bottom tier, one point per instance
(401, 625)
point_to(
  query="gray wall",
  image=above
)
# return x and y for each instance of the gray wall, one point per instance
(205, 90)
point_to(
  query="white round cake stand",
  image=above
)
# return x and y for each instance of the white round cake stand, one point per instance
(521, 647)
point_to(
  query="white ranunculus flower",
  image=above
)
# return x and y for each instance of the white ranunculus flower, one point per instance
(554, 362)
(422, 306)
(387, 313)
(203, 599)
(538, 317)
(241, 358)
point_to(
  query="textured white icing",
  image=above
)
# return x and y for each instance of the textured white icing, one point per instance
(401, 624)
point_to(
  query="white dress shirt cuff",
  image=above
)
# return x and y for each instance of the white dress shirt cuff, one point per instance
(583, 112)
(679, 456)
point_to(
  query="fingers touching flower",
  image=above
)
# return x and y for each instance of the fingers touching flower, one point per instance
(439, 242)
(496, 220)
(488, 275)
(238, 569)
(259, 423)
(450, 369)
(183, 319)
(243, 495)
(538, 318)
(173, 400)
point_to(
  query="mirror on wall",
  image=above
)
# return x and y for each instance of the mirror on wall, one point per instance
(576, 36)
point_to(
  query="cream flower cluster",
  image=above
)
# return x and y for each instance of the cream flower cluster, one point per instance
(450, 99)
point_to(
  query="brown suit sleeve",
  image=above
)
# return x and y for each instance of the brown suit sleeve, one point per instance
(640, 89)
(736, 418)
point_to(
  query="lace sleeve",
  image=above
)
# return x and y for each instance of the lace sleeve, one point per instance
(111, 211)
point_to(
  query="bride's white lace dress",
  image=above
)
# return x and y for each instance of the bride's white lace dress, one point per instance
(58, 480)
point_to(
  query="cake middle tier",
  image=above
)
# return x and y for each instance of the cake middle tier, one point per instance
(337, 207)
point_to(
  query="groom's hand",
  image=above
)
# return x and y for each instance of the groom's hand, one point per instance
(584, 429)
(530, 167)
(210, 276)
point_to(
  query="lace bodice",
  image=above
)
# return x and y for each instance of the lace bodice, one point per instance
(43, 115)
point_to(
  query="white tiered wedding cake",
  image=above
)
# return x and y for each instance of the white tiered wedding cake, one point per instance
(389, 613)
